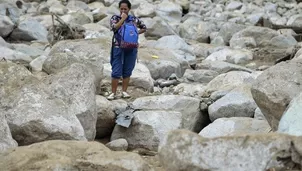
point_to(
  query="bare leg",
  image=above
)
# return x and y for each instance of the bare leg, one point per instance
(125, 83)
(114, 84)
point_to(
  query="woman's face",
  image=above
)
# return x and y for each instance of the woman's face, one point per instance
(124, 8)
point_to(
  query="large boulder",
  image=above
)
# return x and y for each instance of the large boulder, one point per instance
(189, 107)
(237, 103)
(272, 45)
(276, 87)
(169, 11)
(291, 119)
(75, 86)
(221, 66)
(148, 128)
(162, 63)
(94, 30)
(13, 55)
(93, 53)
(106, 117)
(201, 76)
(79, 18)
(13, 11)
(231, 56)
(33, 113)
(228, 29)
(234, 126)
(157, 116)
(6, 26)
(28, 30)
(157, 28)
(6, 139)
(194, 29)
(32, 51)
(228, 81)
(189, 89)
(295, 21)
(183, 150)
(173, 42)
(145, 9)
(261, 35)
(70, 155)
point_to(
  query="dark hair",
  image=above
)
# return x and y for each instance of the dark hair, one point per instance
(126, 2)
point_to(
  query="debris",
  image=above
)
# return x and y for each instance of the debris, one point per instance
(63, 31)
(124, 118)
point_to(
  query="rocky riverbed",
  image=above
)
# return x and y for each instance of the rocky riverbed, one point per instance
(223, 93)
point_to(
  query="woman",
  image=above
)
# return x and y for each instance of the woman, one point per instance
(122, 59)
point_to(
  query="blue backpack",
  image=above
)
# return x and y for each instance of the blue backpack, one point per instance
(129, 35)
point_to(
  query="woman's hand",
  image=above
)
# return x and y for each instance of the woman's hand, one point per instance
(141, 31)
(124, 16)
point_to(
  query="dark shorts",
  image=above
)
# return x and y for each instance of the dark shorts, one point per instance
(122, 62)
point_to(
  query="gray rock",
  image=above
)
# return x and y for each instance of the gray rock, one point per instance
(283, 41)
(184, 150)
(201, 76)
(70, 155)
(218, 94)
(204, 49)
(191, 116)
(33, 114)
(106, 117)
(290, 122)
(295, 21)
(235, 126)
(28, 30)
(92, 53)
(76, 5)
(58, 9)
(231, 55)
(169, 11)
(13, 10)
(12, 55)
(243, 42)
(275, 88)
(31, 51)
(148, 128)
(234, 5)
(118, 145)
(93, 30)
(189, 89)
(195, 30)
(6, 139)
(221, 67)
(75, 86)
(145, 9)
(173, 42)
(157, 28)
(163, 66)
(77, 18)
(3, 43)
(261, 35)
(238, 103)
(228, 81)
(258, 114)
(37, 64)
(6, 26)
(218, 41)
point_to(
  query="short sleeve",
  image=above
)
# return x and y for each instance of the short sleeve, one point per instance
(114, 19)
(140, 23)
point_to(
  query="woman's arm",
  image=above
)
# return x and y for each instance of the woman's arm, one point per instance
(142, 31)
(142, 27)
(116, 23)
